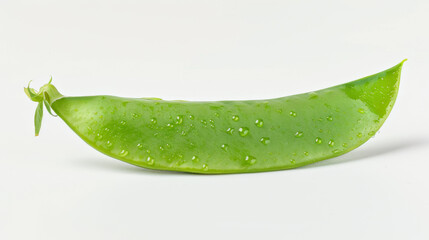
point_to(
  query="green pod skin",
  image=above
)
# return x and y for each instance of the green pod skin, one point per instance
(230, 136)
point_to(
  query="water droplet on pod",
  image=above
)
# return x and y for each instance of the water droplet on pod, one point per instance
(150, 161)
(224, 147)
(123, 153)
(205, 167)
(299, 134)
(195, 159)
(259, 123)
(178, 120)
(99, 136)
(243, 131)
(250, 160)
(230, 131)
(265, 140)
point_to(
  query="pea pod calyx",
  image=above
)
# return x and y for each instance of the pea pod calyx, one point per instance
(45, 97)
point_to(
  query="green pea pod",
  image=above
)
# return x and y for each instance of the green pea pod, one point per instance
(229, 136)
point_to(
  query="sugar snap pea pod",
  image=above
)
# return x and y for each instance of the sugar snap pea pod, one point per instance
(228, 136)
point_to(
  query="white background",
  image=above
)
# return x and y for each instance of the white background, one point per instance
(56, 187)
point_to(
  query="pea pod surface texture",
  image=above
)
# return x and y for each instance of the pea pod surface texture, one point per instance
(228, 136)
